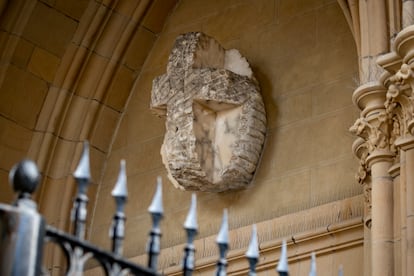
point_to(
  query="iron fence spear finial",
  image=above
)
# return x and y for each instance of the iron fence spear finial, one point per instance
(82, 171)
(312, 271)
(191, 228)
(120, 194)
(282, 267)
(252, 253)
(223, 244)
(341, 271)
(82, 176)
(156, 210)
(120, 189)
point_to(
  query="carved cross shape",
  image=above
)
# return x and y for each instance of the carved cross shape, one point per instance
(215, 118)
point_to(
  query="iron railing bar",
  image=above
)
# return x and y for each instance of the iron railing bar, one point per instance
(99, 254)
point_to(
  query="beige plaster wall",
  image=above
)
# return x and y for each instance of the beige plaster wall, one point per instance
(304, 57)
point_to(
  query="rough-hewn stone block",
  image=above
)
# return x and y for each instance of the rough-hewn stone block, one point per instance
(216, 121)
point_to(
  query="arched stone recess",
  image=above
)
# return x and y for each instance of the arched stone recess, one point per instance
(85, 95)
(80, 103)
(97, 49)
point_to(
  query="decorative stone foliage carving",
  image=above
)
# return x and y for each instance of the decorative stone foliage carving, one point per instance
(399, 80)
(400, 102)
(215, 117)
(375, 131)
(387, 114)
(360, 149)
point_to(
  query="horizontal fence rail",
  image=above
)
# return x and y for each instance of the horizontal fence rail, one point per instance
(23, 231)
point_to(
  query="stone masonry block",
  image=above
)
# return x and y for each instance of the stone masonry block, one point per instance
(18, 85)
(43, 64)
(50, 29)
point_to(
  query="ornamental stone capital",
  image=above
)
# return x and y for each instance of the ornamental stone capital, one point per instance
(369, 98)
(374, 126)
(375, 131)
(405, 143)
(399, 101)
(399, 80)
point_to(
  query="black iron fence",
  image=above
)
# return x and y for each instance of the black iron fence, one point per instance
(23, 231)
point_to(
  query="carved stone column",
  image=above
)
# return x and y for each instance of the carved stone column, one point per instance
(407, 13)
(363, 176)
(399, 195)
(400, 109)
(382, 214)
(374, 128)
(408, 225)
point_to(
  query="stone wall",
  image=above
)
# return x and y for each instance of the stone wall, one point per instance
(74, 70)
(34, 36)
(304, 57)
(66, 72)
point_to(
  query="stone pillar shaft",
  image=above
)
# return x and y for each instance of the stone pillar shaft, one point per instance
(373, 127)
(407, 13)
(403, 214)
(399, 194)
(382, 219)
(409, 159)
(367, 251)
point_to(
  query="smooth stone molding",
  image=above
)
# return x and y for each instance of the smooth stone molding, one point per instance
(215, 116)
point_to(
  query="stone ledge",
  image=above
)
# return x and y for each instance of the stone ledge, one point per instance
(323, 229)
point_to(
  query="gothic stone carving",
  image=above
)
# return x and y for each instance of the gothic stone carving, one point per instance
(400, 102)
(363, 176)
(375, 131)
(215, 117)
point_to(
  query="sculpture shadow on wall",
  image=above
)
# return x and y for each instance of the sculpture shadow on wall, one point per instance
(241, 196)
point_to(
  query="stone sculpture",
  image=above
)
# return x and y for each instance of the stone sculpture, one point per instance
(215, 117)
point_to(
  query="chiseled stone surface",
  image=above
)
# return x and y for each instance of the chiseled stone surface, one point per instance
(215, 117)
